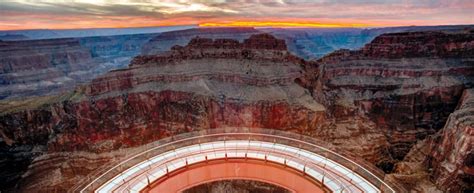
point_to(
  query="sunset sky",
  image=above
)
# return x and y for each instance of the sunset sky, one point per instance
(70, 14)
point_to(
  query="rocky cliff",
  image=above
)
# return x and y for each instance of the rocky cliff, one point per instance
(39, 66)
(407, 84)
(445, 158)
(206, 84)
(451, 149)
(164, 41)
(47, 67)
(375, 106)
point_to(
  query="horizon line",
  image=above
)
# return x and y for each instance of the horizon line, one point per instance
(231, 25)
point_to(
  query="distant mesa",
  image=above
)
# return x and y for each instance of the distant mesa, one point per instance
(270, 48)
(430, 44)
(13, 37)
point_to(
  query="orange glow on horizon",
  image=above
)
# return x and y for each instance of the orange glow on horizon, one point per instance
(94, 22)
(283, 24)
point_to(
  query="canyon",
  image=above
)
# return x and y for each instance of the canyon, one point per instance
(403, 102)
(52, 66)
(49, 62)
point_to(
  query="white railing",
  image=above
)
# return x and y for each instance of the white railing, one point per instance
(308, 146)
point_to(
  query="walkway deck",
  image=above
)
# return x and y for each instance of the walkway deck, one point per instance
(165, 159)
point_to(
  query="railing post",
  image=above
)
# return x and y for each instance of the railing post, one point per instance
(304, 170)
(148, 181)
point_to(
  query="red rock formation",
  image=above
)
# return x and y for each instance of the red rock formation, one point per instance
(47, 67)
(421, 44)
(408, 94)
(157, 99)
(377, 106)
(164, 41)
(200, 87)
(445, 157)
(411, 45)
(35, 67)
(260, 46)
(452, 153)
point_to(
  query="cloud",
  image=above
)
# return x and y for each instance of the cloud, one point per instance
(377, 12)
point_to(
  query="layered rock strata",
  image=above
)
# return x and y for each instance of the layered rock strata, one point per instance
(451, 150)
(445, 158)
(375, 106)
(206, 84)
(406, 84)
(38, 66)
(48, 67)
(164, 41)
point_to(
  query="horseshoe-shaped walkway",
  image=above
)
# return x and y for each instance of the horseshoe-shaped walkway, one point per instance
(295, 162)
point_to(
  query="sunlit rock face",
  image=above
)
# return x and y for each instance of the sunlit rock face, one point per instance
(376, 106)
(206, 84)
(445, 157)
(451, 149)
(407, 84)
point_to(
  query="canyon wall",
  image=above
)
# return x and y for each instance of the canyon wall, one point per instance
(451, 149)
(37, 67)
(109, 52)
(47, 67)
(164, 41)
(206, 84)
(378, 106)
(407, 84)
(445, 158)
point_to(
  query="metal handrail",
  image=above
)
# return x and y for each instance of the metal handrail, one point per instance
(361, 167)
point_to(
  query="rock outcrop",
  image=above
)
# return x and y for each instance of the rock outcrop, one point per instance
(164, 41)
(377, 106)
(39, 66)
(206, 84)
(451, 150)
(445, 158)
(48, 67)
(407, 84)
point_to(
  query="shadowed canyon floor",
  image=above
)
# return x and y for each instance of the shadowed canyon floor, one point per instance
(402, 102)
(236, 186)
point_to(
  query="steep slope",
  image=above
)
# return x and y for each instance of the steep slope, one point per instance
(445, 157)
(375, 104)
(46, 67)
(451, 151)
(37, 67)
(407, 84)
(206, 84)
